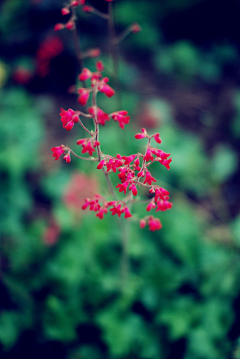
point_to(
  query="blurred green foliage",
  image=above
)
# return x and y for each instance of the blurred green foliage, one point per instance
(176, 294)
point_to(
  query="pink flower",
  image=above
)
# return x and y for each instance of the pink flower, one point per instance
(142, 223)
(150, 206)
(157, 138)
(135, 28)
(162, 158)
(133, 188)
(94, 52)
(136, 164)
(127, 213)
(106, 89)
(166, 163)
(123, 187)
(160, 193)
(121, 117)
(85, 74)
(70, 25)
(101, 164)
(101, 212)
(67, 158)
(86, 204)
(141, 174)
(83, 96)
(102, 117)
(99, 66)
(58, 27)
(154, 224)
(68, 118)
(148, 156)
(117, 210)
(128, 159)
(87, 146)
(65, 11)
(113, 164)
(163, 205)
(149, 179)
(58, 151)
(138, 136)
(87, 8)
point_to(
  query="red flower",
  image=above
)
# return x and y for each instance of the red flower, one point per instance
(93, 52)
(135, 28)
(99, 66)
(123, 187)
(121, 117)
(157, 138)
(133, 189)
(58, 151)
(101, 164)
(83, 96)
(154, 224)
(87, 8)
(101, 212)
(65, 11)
(148, 156)
(68, 118)
(163, 205)
(138, 136)
(67, 158)
(102, 117)
(149, 179)
(127, 213)
(87, 145)
(150, 206)
(70, 25)
(58, 27)
(117, 210)
(85, 74)
(106, 89)
(142, 223)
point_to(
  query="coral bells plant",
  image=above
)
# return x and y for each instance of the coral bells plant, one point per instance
(133, 171)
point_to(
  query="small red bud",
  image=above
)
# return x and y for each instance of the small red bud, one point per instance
(142, 223)
(65, 11)
(58, 27)
(135, 28)
(70, 25)
(87, 8)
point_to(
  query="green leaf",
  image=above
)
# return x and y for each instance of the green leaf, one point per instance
(223, 163)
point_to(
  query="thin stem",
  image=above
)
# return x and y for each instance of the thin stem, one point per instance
(77, 43)
(76, 39)
(124, 34)
(84, 127)
(125, 257)
(94, 101)
(84, 158)
(113, 48)
(100, 14)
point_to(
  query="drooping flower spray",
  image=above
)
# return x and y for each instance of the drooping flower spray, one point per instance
(133, 171)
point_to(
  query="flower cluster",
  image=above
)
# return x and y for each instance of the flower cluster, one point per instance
(133, 171)
(70, 24)
(118, 207)
(59, 150)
